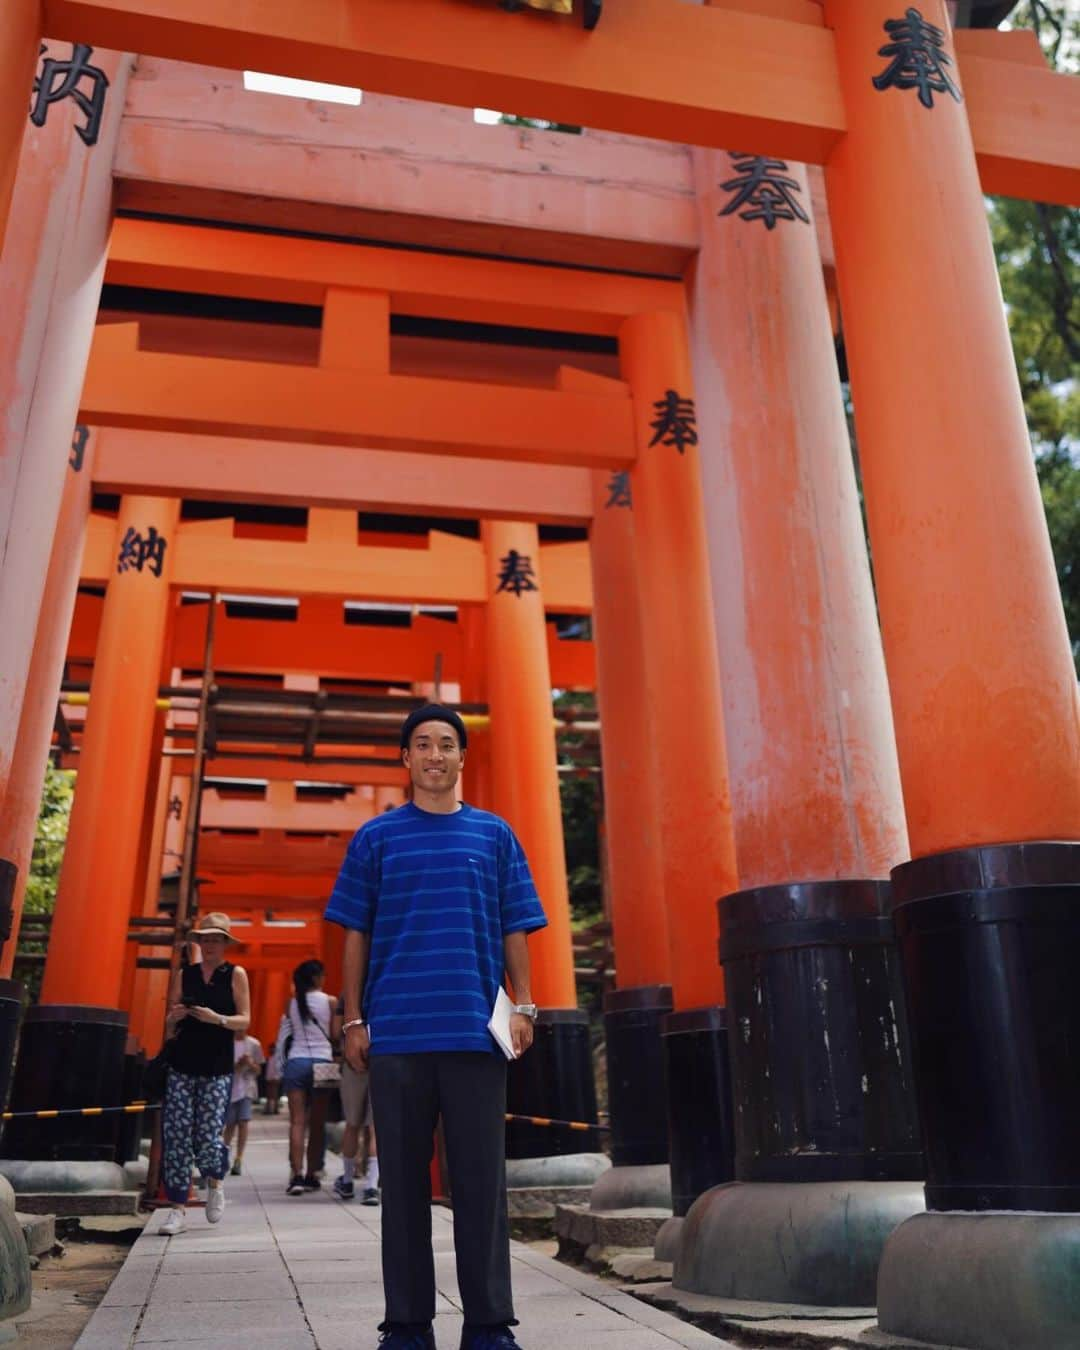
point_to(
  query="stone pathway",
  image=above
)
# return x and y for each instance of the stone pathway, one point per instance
(295, 1273)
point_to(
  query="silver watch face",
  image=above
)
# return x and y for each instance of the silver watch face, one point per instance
(527, 1009)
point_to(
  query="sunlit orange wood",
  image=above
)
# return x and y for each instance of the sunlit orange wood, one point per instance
(18, 819)
(94, 896)
(712, 76)
(155, 391)
(169, 464)
(50, 280)
(980, 670)
(448, 571)
(629, 729)
(526, 781)
(20, 31)
(811, 754)
(680, 663)
(167, 256)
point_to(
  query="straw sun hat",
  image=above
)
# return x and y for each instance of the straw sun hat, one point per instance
(214, 925)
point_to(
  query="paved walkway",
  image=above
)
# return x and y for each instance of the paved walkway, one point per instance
(295, 1273)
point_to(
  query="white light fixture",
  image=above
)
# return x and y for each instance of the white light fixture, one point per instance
(488, 116)
(258, 83)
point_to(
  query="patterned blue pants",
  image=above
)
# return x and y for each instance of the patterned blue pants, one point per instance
(191, 1125)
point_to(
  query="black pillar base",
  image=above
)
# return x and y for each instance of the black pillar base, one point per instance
(70, 1056)
(699, 1103)
(988, 939)
(553, 1080)
(637, 1098)
(11, 996)
(820, 1062)
(129, 1129)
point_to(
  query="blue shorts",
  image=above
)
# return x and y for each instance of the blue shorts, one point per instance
(238, 1111)
(298, 1074)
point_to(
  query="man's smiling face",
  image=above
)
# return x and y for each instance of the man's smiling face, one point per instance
(434, 757)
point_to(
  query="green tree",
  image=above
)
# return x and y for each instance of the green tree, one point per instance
(1037, 247)
(44, 874)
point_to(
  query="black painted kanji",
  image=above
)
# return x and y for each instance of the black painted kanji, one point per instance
(764, 188)
(516, 574)
(675, 422)
(65, 79)
(618, 488)
(138, 552)
(78, 447)
(917, 59)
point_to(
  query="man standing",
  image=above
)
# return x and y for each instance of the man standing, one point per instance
(437, 899)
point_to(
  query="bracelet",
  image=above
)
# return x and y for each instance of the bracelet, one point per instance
(356, 1022)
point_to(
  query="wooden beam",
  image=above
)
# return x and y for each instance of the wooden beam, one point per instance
(654, 67)
(194, 143)
(154, 391)
(171, 464)
(450, 570)
(705, 75)
(167, 256)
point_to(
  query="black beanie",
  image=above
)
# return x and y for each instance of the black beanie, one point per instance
(433, 712)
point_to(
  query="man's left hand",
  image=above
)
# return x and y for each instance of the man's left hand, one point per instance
(521, 1032)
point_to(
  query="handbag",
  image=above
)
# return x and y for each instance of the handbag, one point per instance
(325, 1074)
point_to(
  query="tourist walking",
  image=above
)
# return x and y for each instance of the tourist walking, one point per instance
(436, 899)
(359, 1128)
(209, 1003)
(249, 1059)
(273, 1081)
(306, 1040)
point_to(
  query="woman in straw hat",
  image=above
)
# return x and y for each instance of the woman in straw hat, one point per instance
(208, 1002)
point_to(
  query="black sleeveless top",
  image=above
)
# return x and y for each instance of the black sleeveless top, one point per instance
(200, 1048)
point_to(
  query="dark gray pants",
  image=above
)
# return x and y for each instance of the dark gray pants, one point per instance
(408, 1094)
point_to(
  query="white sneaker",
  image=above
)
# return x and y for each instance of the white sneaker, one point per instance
(173, 1223)
(215, 1203)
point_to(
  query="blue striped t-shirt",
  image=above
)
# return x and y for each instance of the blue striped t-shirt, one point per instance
(437, 893)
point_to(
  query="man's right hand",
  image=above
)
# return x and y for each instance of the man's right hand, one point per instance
(357, 1045)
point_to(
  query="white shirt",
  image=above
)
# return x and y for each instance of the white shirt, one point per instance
(311, 1038)
(245, 1082)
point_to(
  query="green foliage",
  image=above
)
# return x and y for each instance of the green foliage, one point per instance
(52, 828)
(539, 124)
(1037, 247)
(581, 811)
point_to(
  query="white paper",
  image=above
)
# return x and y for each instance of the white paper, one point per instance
(499, 1026)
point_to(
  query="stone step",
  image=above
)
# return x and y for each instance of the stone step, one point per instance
(38, 1230)
(64, 1203)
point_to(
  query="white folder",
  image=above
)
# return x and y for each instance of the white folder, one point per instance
(499, 1026)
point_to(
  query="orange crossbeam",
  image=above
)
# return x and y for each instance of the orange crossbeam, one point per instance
(130, 388)
(166, 256)
(701, 75)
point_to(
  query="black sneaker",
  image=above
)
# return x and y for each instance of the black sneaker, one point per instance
(370, 1196)
(344, 1190)
(488, 1338)
(310, 1183)
(295, 1186)
(397, 1337)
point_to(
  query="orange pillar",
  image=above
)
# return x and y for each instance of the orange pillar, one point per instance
(478, 775)
(276, 985)
(151, 830)
(628, 739)
(386, 798)
(983, 687)
(86, 951)
(811, 754)
(18, 819)
(680, 652)
(50, 278)
(523, 743)
(20, 33)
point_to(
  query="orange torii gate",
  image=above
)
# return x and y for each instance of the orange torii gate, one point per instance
(984, 711)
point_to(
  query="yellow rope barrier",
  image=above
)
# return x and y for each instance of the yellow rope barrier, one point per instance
(130, 1109)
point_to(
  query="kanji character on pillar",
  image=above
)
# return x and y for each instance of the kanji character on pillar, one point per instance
(763, 186)
(137, 552)
(918, 59)
(64, 79)
(516, 574)
(675, 422)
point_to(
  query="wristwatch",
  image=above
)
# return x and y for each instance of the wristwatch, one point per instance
(529, 1010)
